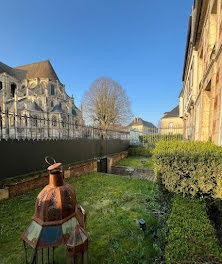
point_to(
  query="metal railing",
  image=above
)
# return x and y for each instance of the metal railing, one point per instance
(18, 126)
(154, 135)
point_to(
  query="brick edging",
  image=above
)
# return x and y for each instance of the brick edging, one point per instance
(40, 179)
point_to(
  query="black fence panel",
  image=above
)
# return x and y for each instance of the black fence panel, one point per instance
(18, 157)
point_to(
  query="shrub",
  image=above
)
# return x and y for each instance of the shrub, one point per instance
(214, 211)
(161, 212)
(191, 237)
(140, 152)
(193, 168)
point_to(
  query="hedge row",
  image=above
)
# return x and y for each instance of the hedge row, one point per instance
(140, 152)
(193, 168)
(191, 236)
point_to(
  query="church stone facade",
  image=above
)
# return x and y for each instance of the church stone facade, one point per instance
(34, 101)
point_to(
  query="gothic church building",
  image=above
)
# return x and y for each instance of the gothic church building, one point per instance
(35, 92)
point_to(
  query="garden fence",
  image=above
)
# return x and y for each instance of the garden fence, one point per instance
(153, 135)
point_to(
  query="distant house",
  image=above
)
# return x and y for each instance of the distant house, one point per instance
(171, 123)
(142, 126)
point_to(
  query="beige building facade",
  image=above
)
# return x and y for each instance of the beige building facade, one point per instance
(138, 127)
(141, 126)
(171, 123)
(201, 96)
(30, 95)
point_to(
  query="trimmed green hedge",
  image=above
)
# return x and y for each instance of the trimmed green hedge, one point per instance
(140, 152)
(193, 168)
(191, 236)
(152, 140)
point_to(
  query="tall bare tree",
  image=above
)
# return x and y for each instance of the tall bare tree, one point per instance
(106, 104)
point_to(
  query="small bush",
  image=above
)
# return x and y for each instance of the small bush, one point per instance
(193, 168)
(191, 237)
(140, 152)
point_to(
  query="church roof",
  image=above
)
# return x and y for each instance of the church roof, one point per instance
(42, 69)
(172, 113)
(17, 73)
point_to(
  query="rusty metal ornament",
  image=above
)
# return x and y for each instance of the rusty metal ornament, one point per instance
(56, 213)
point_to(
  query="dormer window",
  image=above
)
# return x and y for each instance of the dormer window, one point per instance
(1, 86)
(52, 89)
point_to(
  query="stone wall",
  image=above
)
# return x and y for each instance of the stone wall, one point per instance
(138, 173)
(112, 159)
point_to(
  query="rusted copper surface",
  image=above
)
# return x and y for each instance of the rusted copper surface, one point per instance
(56, 213)
(56, 202)
(81, 215)
(55, 166)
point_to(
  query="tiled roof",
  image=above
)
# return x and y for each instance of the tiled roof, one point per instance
(42, 69)
(17, 73)
(172, 113)
(140, 121)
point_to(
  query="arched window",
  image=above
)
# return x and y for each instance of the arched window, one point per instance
(13, 88)
(52, 104)
(11, 120)
(52, 89)
(1, 85)
(23, 90)
(34, 121)
(54, 121)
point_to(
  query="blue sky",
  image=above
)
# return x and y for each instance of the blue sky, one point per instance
(138, 43)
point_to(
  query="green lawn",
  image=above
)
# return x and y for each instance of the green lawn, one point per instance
(113, 204)
(136, 162)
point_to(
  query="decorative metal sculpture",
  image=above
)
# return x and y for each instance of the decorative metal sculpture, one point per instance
(77, 246)
(56, 216)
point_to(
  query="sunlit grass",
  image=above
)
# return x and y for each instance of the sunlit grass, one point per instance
(136, 162)
(113, 204)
